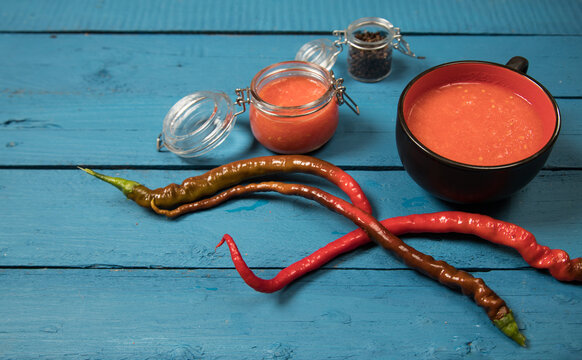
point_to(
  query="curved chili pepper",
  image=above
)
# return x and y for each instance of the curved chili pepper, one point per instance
(233, 173)
(496, 231)
(556, 261)
(495, 307)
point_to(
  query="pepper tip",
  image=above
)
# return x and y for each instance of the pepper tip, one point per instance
(88, 171)
(126, 186)
(508, 326)
(221, 242)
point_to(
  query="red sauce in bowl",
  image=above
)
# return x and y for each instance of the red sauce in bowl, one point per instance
(479, 123)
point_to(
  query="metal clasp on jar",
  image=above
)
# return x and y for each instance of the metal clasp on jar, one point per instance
(243, 97)
(341, 94)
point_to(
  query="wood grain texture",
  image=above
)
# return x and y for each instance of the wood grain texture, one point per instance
(212, 314)
(86, 274)
(413, 16)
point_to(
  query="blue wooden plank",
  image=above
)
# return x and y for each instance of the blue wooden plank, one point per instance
(175, 65)
(212, 314)
(105, 104)
(54, 135)
(67, 218)
(70, 99)
(413, 16)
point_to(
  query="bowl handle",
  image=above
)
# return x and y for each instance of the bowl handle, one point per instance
(518, 63)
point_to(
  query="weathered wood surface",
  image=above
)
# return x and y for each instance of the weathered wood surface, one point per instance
(86, 274)
(332, 314)
(560, 17)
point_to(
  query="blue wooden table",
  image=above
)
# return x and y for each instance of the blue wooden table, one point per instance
(87, 274)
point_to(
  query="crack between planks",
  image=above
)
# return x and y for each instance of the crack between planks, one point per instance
(258, 268)
(258, 32)
(169, 167)
(212, 166)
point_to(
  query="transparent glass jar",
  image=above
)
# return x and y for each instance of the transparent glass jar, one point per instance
(294, 108)
(370, 42)
(370, 49)
(201, 121)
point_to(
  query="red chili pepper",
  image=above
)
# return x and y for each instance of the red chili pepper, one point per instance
(557, 261)
(496, 231)
(441, 271)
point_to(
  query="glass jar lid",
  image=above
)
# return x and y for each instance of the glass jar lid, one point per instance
(322, 52)
(197, 123)
(370, 33)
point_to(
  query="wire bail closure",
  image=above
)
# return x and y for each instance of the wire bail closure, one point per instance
(340, 94)
(396, 39)
(160, 142)
(401, 45)
(242, 98)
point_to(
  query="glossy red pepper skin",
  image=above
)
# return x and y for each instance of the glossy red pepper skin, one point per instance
(557, 261)
(496, 309)
(208, 184)
(411, 224)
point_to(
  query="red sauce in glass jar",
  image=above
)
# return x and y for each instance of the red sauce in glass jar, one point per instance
(293, 112)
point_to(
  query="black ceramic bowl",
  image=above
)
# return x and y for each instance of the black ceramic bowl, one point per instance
(464, 183)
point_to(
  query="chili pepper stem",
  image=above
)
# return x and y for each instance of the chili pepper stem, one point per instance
(508, 326)
(126, 186)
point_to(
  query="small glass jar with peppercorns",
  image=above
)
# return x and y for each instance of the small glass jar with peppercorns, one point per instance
(370, 42)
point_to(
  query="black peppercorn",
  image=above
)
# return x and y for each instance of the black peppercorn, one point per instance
(370, 59)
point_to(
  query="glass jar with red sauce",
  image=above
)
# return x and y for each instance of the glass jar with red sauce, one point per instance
(293, 110)
(293, 107)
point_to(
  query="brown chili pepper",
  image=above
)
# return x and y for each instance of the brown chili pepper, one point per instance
(557, 261)
(234, 173)
(441, 271)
